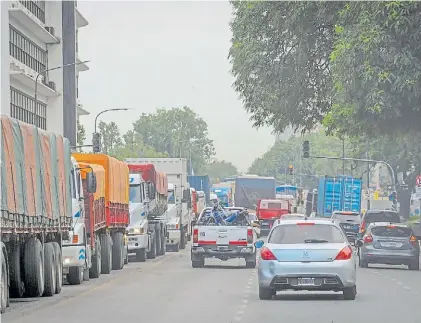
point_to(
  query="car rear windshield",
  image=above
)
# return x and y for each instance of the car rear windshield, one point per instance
(293, 233)
(347, 217)
(383, 216)
(391, 231)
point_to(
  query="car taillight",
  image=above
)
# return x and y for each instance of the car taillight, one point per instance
(249, 235)
(266, 254)
(195, 235)
(413, 240)
(368, 239)
(344, 254)
(362, 227)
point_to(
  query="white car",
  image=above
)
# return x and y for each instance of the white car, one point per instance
(307, 254)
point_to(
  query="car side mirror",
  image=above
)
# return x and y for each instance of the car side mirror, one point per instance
(259, 244)
(91, 182)
(359, 243)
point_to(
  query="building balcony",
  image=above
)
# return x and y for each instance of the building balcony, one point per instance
(27, 76)
(22, 14)
(81, 67)
(80, 19)
(80, 110)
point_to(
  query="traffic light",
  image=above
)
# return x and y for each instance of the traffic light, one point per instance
(306, 149)
(96, 142)
(290, 169)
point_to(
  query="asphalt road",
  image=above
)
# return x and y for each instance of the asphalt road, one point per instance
(168, 289)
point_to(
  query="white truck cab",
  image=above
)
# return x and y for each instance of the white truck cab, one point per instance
(76, 250)
(139, 237)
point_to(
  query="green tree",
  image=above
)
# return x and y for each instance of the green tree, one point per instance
(110, 137)
(280, 60)
(376, 65)
(177, 132)
(220, 169)
(81, 134)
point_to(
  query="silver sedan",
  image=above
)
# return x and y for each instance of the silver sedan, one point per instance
(307, 254)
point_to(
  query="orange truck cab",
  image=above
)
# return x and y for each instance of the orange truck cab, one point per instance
(270, 210)
(194, 200)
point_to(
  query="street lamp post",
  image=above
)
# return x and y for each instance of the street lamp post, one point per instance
(51, 69)
(96, 117)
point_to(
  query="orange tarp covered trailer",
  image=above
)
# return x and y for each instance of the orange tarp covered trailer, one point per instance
(116, 187)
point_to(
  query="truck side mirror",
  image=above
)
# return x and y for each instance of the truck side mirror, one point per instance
(91, 182)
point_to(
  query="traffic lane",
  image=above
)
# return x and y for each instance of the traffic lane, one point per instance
(25, 306)
(170, 291)
(378, 300)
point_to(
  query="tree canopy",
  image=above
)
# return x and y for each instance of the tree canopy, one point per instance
(220, 169)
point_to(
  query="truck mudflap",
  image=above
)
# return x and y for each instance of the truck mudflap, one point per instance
(74, 256)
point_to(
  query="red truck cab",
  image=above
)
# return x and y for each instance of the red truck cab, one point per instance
(270, 210)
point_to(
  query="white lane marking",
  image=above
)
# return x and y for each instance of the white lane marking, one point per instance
(406, 287)
(245, 301)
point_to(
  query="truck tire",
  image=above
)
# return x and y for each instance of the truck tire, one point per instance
(126, 258)
(4, 288)
(106, 255)
(59, 266)
(198, 263)
(75, 275)
(17, 287)
(158, 240)
(163, 247)
(95, 270)
(183, 241)
(141, 255)
(33, 260)
(50, 275)
(152, 253)
(118, 251)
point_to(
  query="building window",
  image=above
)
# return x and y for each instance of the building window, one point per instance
(22, 107)
(26, 51)
(37, 8)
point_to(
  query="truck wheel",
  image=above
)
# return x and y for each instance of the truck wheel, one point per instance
(158, 241)
(152, 252)
(50, 274)
(183, 242)
(75, 276)
(95, 270)
(4, 288)
(141, 255)
(118, 252)
(106, 256)
(251, 263)
(126, 252)
(33, 260)
(17, 287)
(59, 267)
(163, 247)
(198, 263)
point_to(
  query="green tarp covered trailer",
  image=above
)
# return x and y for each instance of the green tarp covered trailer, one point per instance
(35, 179)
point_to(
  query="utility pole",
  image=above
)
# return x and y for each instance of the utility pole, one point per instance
(343, 156)
(368, 177)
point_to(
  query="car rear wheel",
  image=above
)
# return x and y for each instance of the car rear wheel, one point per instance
(349, 293)
(265, 293)
(198, 263)
(415, 265)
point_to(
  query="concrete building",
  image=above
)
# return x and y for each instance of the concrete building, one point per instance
(39, 36)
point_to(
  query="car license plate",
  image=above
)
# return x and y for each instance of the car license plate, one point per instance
(222, 248)
(348, 227)
(391, 244)
(305, 281)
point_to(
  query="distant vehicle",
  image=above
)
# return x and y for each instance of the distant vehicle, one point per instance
(255, 222)
(291, 190)
(350, 223)
(391, 244)
(372, 216)
(270, 210)
(292, 216)
(249, 189)
(307, 255)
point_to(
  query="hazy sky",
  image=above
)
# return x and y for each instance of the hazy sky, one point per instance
(146, 55)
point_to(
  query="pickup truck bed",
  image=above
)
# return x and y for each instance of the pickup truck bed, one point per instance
(223, 242)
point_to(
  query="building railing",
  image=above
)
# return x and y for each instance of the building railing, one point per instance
(36, 7)
(26, 51)
(22, 107)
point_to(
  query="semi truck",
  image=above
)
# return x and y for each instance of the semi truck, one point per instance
(101, 229)
(179, 200)
(201, 183)
(36, 209)
(250, 189)
(148, 212)
(338, 193)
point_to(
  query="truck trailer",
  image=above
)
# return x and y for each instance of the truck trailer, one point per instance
(250, 189)
(36, 209)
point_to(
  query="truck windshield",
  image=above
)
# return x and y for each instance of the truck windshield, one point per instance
(135, 196)
(171, 198)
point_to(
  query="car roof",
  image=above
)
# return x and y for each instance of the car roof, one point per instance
(380, 211)
(327, 221)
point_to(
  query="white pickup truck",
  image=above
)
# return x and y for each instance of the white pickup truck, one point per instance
(230, 240)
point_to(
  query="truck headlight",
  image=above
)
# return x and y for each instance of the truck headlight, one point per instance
(136, 230)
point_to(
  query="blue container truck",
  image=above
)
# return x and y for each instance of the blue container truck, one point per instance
(250, 189)
(338, 193)
(201, 183)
